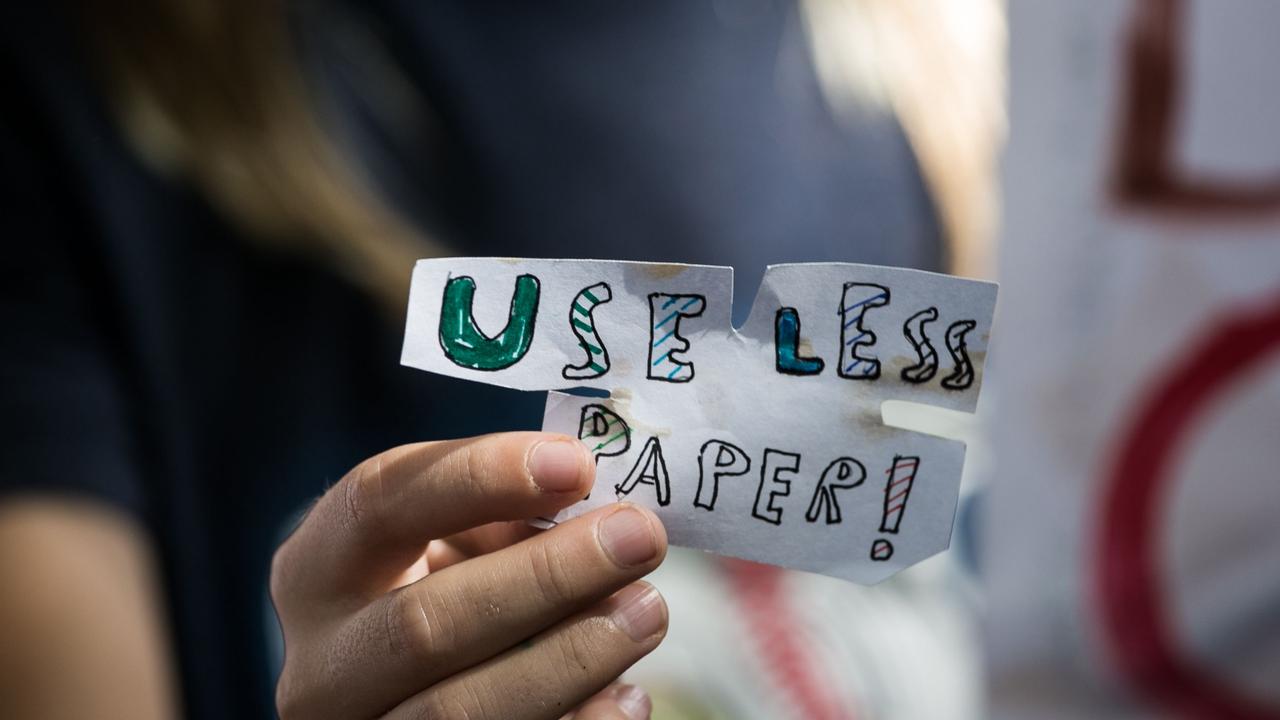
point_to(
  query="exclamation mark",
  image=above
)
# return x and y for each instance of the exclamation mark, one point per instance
(902, 475)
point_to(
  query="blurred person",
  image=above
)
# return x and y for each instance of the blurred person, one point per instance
(212, 213)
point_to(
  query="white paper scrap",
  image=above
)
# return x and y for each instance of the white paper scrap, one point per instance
(764, 443)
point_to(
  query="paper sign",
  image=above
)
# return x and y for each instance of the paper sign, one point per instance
(764, 443)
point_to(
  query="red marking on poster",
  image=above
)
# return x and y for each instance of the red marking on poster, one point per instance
(897, 490)
(777, 638)
(1146, 174)
(1130, 589)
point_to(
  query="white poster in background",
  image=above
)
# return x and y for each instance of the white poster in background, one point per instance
(1133, 544)
(765, 442)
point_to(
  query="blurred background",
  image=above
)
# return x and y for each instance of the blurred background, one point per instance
(212, 209)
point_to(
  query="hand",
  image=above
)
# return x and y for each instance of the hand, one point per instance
(414, 590)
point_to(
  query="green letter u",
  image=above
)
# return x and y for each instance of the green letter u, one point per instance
(467, 346)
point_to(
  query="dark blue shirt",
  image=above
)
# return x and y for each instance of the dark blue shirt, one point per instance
(157, 361)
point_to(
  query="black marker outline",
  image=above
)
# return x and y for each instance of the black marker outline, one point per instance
(663, 488)
(582, 342)
(881, 550)
(824, 494)
(775, 480)
(871, 337)
(962, 377)
(777, 346)
(675, 335)
(716, 472)
(927, 366)
(533, 321)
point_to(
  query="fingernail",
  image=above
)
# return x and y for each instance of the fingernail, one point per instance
(556, 465)
(633, 702)
(627, 536)
(640, 612)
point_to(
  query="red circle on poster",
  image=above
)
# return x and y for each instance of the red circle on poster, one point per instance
(1131, 597)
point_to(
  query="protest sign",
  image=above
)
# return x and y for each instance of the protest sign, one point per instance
(764, 442)
(1132, 550)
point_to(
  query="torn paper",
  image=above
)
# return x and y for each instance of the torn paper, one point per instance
(764, 443)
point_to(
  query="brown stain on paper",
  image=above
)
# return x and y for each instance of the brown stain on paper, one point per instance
(663, 271)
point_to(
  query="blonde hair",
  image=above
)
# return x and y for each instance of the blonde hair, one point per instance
(211, 91)
(938, 65)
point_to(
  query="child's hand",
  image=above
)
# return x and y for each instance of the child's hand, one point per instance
(399, 598)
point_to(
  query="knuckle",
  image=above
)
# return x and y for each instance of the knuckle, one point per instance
(288, 562)
(282, 574)
(363, 493)
(460, 469)
(469, 467)
(441, 705)
(551, 572)
(289, 702)
(476, 470)
(276, 583)
(413, 630)
(577, 652)
(475, 701)
(480, 467)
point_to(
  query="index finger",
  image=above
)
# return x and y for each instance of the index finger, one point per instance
(379, 518)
